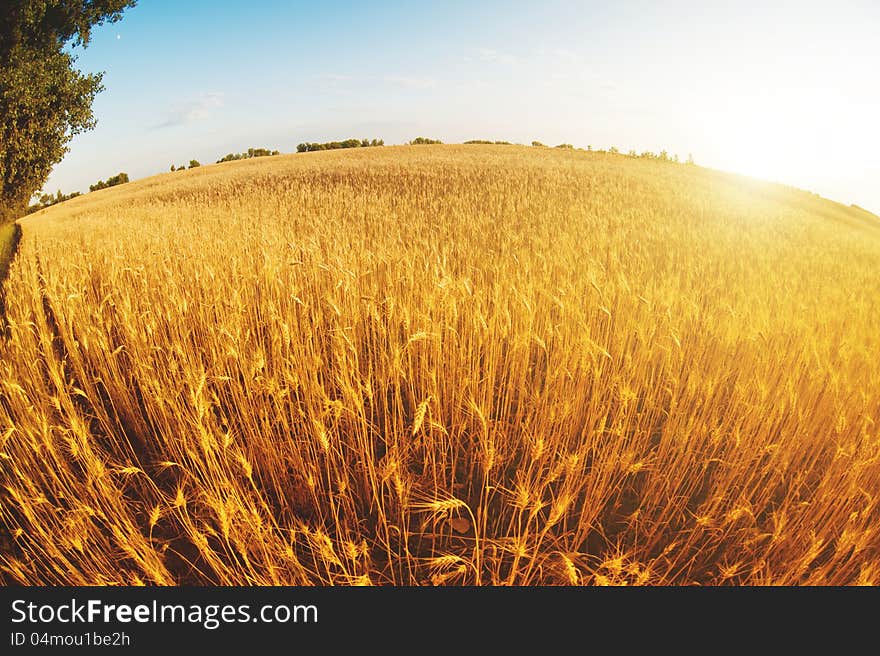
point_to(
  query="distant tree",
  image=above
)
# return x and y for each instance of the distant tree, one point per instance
(47, 200)
(118, 179)
(335, 145)
(565, 145)
(613, 150)
(251, 152)
(419, 141)
(173, 168)
(690, 159)
(538, 144)
(194, 163)
(632, 153)
(589, 148)
(44, 100)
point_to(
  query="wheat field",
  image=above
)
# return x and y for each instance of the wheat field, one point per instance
(443, 365)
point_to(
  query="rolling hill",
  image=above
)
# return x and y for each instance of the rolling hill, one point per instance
(443, 365)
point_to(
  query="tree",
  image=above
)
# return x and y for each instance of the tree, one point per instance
(251, 153)
(44, 100)
(193, 163)
(47, 200)
(309, 147)
(119, 178)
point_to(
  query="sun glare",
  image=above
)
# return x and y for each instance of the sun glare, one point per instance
(773, 138)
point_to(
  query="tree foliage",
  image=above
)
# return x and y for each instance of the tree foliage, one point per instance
(424, 141)
(118, 179)
(47, 200)
(44, 99)
(251, 153)
(334, 145)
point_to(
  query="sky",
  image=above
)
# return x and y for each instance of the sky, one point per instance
(785, 91)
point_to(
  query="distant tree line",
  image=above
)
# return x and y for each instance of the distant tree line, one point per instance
(118, 179)
(486, 141)
(250, 154)
(309, 147)
(662, 156)
(424, 141)
(193, 163)
(47, 200)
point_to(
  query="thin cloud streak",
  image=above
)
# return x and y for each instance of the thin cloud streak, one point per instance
(192, 111)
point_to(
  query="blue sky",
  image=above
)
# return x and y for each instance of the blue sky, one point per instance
(780, 90)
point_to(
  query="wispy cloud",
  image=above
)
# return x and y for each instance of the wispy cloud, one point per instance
(346, 83)
(192, 110)
(493, 56)
(410, 82)
(559, 55)
(332, 80)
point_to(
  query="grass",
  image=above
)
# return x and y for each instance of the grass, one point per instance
(443, 365)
